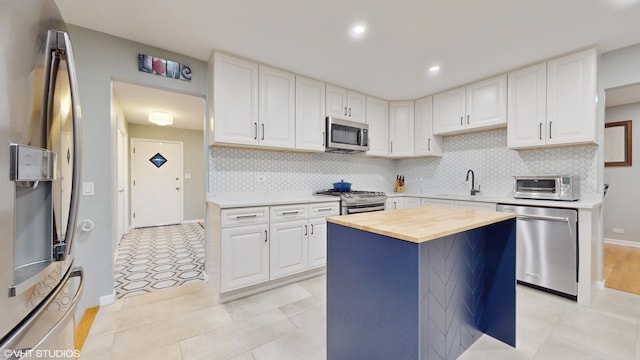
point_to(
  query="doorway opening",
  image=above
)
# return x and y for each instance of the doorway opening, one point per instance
(621, 250)
(160, 190)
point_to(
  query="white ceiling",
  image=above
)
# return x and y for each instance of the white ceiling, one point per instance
(137, 101)
(470, 39)
(622, 95)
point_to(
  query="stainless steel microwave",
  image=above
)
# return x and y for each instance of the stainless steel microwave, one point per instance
(546, 187)
(346, 136)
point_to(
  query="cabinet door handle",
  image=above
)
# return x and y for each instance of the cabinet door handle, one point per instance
(391, 147)
(550, 122)
(461, 120)
(349, 112)
(540, 131)
(262, 131)
(467, 119)
(255, 124)
(306, 230)
(429, 144)
(323, 138)
(311, 229)
(345, 111)
(265, 236)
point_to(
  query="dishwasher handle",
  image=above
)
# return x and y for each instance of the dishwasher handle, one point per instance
(543, 217)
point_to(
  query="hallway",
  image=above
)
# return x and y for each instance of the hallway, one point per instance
(159, 257)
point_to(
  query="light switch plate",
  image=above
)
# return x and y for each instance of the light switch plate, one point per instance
(87, 188)
(187, 175)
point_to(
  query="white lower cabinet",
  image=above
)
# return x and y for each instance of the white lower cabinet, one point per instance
(438, 202)
(476, 205)
(245, 259)
(289, 248)
(411, 202)
(317, 242)
(460, 204)
(394, 203)
(258, 244)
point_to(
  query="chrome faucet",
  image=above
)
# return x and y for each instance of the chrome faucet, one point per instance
(473, 186)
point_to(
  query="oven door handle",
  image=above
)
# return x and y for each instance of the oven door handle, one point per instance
(365, 209)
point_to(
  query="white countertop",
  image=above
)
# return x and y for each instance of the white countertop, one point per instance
(261, 198)
(246, 199)
(588, 201)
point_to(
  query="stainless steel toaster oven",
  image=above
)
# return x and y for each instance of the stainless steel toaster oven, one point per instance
(546, 187)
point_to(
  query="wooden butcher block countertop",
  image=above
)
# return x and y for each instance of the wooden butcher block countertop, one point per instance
(422, 223)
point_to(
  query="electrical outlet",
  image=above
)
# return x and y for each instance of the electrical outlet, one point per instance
(419, 179)
(381, 178)
(261, 178)
(617, 230)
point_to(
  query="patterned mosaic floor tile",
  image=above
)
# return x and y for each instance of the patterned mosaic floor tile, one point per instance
(159, 257)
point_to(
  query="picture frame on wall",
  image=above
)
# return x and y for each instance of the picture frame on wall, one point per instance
(617, 143)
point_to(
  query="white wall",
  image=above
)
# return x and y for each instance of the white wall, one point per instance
(100, 58)
(623, 198)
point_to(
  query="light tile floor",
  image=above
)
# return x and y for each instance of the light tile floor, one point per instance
(158, 257)
(289, 323)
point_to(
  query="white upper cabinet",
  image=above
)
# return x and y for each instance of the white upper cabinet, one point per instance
(448, 111)
(378, 120)
(553, 103)
(527, 104)
(481, 105)
(425, 144)
(345, 104)
(401, 128)
(235, 88)
(571, 94)
(310, 110)
(277, 108)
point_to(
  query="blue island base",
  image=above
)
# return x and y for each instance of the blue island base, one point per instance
(393, 299)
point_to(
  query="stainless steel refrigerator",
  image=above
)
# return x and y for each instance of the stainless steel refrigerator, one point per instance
(39, 178)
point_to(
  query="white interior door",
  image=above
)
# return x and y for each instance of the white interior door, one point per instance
(156, 192)
(122, 181)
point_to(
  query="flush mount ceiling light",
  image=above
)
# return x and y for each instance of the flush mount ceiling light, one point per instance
(160, 118)
(358, 29)
(434, 68)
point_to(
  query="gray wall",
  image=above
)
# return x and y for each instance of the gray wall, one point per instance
(193, 159)
(623, 197)
(620, 68)
(101, 58)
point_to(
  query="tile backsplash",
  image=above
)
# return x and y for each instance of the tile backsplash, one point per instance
(236, 169)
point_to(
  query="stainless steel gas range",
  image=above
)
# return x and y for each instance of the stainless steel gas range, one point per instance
(353, 202)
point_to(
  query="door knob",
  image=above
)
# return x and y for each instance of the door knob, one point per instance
(177, 188)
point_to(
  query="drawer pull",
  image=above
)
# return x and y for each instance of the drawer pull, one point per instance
(247, 216)
(325, 209)
(290, 212)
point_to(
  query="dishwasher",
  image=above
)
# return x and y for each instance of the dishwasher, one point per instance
(546, 248)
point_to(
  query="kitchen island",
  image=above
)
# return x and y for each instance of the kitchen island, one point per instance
(419, 283)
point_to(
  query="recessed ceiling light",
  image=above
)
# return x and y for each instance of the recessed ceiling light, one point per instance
(358, 29)
(434, 68)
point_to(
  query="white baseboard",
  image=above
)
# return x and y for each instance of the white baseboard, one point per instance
(622, 242)
(600, 285)
(191, 221)
(107, 299)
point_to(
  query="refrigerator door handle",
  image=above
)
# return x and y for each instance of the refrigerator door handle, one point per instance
(17, 335)
(59, 45)
(77, 144)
